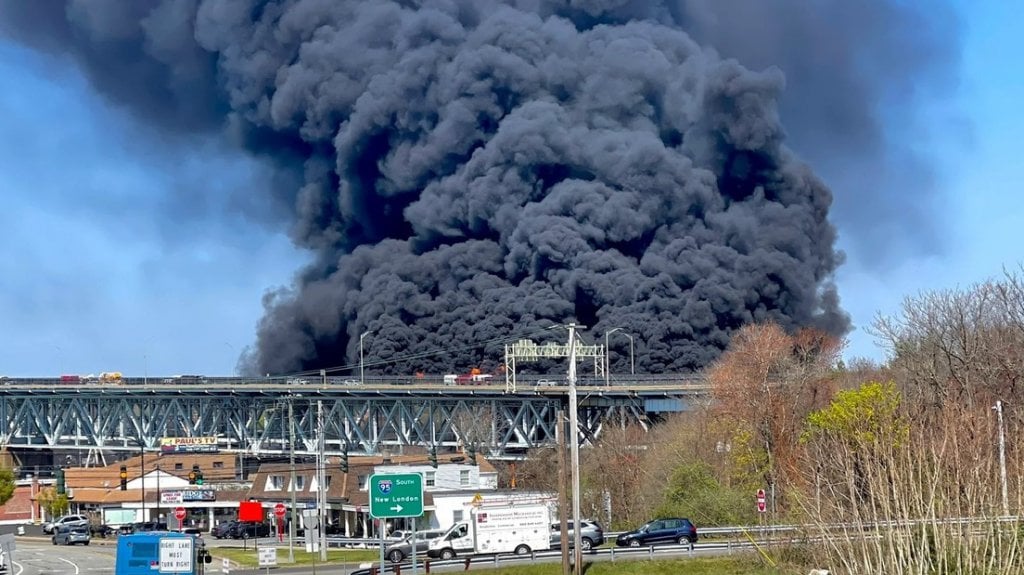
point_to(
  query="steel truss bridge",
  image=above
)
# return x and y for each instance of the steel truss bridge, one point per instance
(253, 418)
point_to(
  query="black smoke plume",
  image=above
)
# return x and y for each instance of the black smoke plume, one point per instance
(475, 169)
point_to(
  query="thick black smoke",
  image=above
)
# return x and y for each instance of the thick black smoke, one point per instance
(475, 169)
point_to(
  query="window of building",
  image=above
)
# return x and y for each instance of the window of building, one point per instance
(314, 485)
(464, 477)
(300, 483)
(456, 515)
(218, 465)
(363, 482)
(179, 466)
(429, 479)
(275, 483)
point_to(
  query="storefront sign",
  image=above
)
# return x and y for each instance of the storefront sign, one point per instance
(188, 495)
(189, 445)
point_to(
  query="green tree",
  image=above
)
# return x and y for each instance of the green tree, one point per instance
(53, 503)
(6, 484)
(862, 416)
(696, 493)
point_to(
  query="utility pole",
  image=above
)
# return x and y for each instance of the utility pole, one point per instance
(291, 466)
(158, 493)
(142, 476)
(574, 445)
(1002, 457)
(562, 501)
(321, 478)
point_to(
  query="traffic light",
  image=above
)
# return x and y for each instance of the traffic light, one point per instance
(61, 486)
(193, 475)
(344, 459)
(471, 453)
(432, 456)
(199, 478)
(124, 478)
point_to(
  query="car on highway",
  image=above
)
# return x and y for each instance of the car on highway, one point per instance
(672, 530)
(71, 535)
(591, 536)
(397, 552)
(63, 521)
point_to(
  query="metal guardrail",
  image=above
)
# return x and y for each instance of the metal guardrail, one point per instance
(496, 560)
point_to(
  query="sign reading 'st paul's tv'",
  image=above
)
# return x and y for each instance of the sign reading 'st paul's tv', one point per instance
(188, 445)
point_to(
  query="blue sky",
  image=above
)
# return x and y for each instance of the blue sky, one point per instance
(119, 252)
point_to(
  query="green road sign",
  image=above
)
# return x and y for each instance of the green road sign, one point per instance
(396, 495)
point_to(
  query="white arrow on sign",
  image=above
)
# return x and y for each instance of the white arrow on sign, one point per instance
(397, 508)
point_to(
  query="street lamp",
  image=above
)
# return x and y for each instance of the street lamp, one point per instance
(607, 356)
(608, 363)
(362, 377)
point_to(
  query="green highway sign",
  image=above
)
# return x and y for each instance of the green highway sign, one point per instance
(396, 495)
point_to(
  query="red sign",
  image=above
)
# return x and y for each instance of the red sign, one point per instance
(250, 511)
(279, 510)
(179, 513)
(761, 502)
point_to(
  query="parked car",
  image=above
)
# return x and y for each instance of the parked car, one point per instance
(66, 520)
(142, 527)
(71, 535)
(397, 552)
(672, 530)
(224, 530)
(246, 530)
(592, 534)
(98, 530)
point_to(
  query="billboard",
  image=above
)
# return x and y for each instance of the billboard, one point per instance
(188, 445)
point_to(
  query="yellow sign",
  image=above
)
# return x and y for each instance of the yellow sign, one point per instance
(188, 444)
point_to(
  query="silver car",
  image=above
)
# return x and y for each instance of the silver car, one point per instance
(67, 535)
(65, 521)
(592, 535)
(397, 552)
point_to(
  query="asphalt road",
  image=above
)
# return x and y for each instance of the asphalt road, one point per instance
(39, 557)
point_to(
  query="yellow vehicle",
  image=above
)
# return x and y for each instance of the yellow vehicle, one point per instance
(111, 377)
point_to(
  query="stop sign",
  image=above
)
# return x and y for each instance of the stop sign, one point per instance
(761, 505)
(179, 513)
(279, 510)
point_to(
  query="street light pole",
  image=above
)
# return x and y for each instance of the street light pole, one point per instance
(574, 437)
(362, 378)
(1002, 457)
(607, 356)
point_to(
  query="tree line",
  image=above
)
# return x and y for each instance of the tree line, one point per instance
(910, 444)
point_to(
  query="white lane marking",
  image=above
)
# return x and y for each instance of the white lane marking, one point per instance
(71, 563)
(21, 568)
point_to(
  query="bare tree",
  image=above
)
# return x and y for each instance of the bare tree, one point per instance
(763, 388)
(962, 345)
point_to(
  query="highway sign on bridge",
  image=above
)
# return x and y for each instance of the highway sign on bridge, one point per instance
(396, 495)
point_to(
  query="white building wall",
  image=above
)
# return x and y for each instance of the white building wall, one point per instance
(447, 477)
